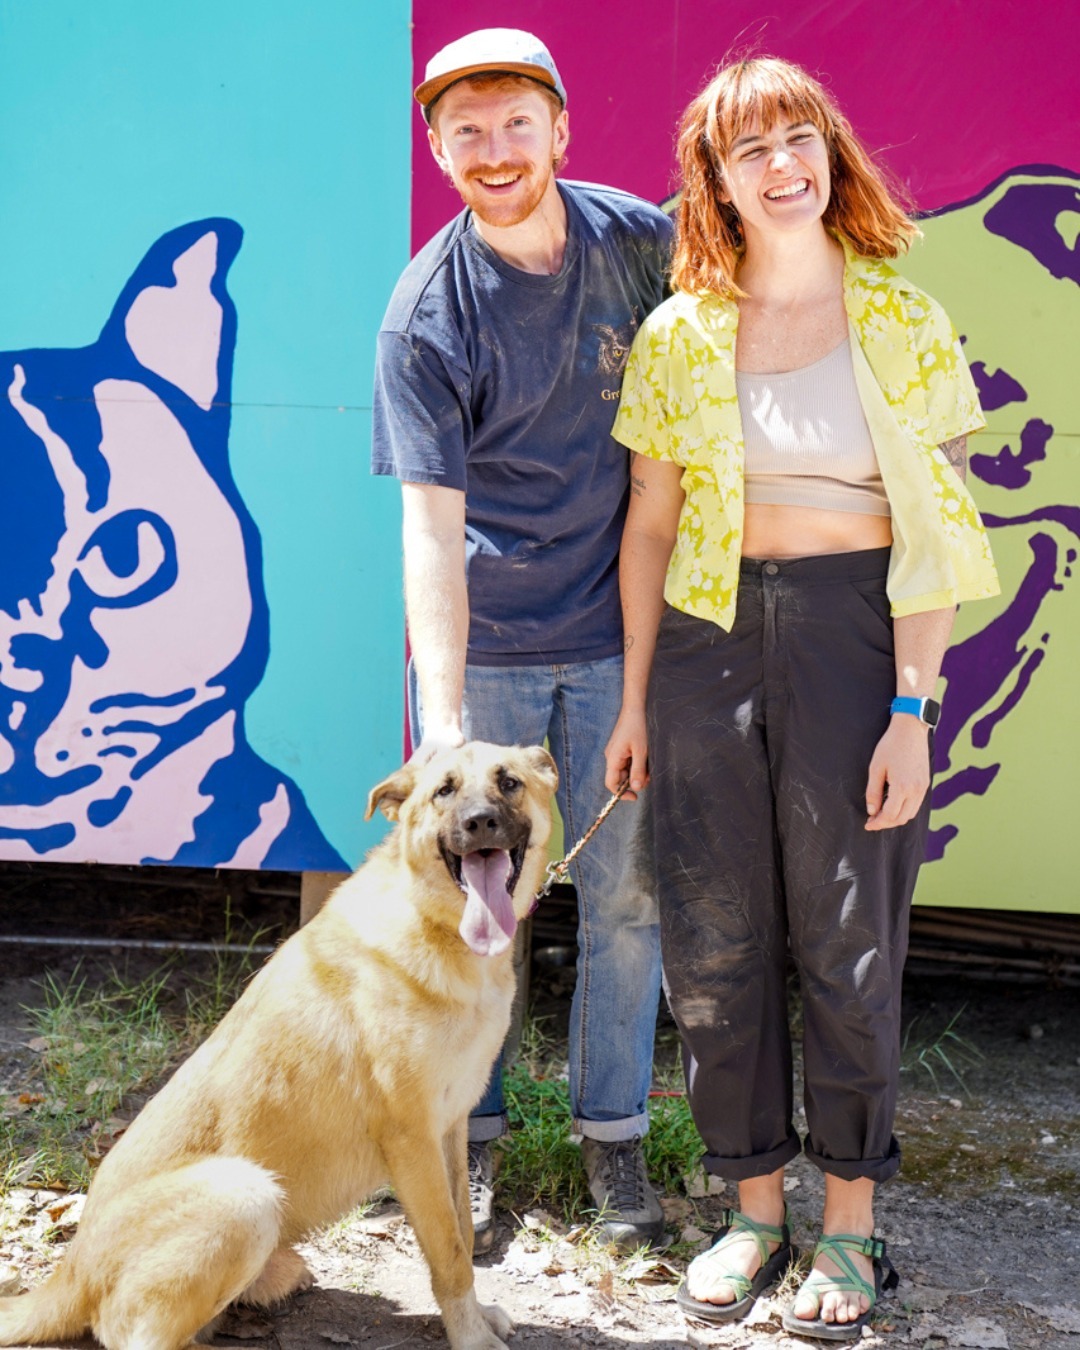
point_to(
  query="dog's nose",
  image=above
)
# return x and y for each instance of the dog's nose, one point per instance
(480, 823)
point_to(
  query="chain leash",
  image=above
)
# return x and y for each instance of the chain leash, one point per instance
(560, 871)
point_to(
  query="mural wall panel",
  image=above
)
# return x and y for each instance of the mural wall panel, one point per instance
(200, 619)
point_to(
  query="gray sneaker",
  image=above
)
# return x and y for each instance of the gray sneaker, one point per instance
(630, 1213)
(482, 1195)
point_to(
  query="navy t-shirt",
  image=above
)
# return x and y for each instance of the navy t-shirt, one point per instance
(505, 384)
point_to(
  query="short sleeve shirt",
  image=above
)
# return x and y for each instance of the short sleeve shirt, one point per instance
(504, 385)
(680, 403)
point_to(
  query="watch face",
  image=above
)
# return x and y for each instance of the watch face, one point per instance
(931, 712)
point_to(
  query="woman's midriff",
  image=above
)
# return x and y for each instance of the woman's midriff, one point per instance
(806, 532)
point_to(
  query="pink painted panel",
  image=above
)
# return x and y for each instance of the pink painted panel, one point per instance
(955, 94)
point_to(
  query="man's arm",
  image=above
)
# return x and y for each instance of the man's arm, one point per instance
(436, 607)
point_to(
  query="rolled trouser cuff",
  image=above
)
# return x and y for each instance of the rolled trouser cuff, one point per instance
(483, 1129)
(612, 1131)
(758, 1165)
(858, 1169)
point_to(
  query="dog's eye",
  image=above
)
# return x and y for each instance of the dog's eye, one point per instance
(509, 783)
(446, 790)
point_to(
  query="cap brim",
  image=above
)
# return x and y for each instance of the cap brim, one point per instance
(430, 90)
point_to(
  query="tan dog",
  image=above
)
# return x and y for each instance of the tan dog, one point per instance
(352, 1060)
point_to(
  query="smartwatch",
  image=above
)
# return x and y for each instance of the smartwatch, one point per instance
(927, 710)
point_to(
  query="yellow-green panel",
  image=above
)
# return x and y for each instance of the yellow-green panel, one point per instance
(1005, 816)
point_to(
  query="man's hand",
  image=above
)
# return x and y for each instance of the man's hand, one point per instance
(436, 739)
(627, 755)
(901, 764)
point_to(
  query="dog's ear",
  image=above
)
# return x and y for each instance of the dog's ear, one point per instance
(542, 764)
(390, 793)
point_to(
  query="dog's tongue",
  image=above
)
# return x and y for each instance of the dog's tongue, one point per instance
(488, 922)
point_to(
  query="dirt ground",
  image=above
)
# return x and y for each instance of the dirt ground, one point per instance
(983, 1223)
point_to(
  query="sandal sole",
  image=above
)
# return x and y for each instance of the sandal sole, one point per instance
(770, 1272)
(818, 1330)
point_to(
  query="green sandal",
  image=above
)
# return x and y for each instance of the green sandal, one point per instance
(747, 1290)
(837, 1246)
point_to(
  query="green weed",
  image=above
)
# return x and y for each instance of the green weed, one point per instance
(945, 1051)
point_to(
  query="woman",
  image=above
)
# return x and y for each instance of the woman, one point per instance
(798, 538)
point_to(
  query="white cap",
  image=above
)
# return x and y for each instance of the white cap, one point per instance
(488, 49)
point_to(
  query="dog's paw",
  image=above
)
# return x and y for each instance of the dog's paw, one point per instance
(480, 1328)
(497, 1320)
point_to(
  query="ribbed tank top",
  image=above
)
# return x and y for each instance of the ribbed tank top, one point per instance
(806, 439)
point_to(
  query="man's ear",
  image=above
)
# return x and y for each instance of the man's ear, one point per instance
(435, 142)
(389, 795)
(561, 131)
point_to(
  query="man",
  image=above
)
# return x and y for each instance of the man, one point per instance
(497, 377)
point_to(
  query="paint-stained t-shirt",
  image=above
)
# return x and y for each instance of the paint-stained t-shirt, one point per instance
(504, 384)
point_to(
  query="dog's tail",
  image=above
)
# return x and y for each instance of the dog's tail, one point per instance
(54, 1311)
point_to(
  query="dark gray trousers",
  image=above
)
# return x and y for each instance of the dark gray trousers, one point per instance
(760, 741)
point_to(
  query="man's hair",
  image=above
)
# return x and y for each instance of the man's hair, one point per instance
(494, 80)
(864, 206)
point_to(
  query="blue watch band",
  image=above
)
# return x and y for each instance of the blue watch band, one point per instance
(927, 710)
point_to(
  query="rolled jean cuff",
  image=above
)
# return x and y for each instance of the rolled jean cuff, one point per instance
(758, 1165)
(858, 1169)
(612, 1131)
(483, 1129)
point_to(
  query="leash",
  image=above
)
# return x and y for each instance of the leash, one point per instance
(560, 871)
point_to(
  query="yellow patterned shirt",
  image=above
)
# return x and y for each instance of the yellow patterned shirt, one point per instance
(679, 403)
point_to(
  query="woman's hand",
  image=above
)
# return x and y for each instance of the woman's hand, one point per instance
(899, 774)
(627, 754)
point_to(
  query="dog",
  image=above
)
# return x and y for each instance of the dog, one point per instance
(351, 1060)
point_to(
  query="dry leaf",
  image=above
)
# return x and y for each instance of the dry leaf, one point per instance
(605, 1288)
(38, 1043)
(59, 1207)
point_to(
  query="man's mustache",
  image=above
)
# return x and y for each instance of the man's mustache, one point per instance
(497, 170)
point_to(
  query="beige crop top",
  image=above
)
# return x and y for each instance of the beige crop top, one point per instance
(806, 439)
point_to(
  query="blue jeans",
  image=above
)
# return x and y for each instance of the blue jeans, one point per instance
(613, 1013)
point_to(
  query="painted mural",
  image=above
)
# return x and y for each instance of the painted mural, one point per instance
(133, 619)
(1007, 264)
(200, 617)
(1000, 251)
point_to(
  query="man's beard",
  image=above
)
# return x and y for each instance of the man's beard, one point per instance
(528, 193)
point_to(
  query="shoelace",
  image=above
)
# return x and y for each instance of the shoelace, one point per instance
(623, 1174)
(478, 1182)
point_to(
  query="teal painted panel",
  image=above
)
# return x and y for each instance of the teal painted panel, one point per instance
(124, 122)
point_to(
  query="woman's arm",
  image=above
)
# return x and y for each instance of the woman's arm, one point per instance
(900, 768)
(656, 498)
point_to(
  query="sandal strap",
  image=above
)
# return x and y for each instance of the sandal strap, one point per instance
(734, 1223)
(837, 1247)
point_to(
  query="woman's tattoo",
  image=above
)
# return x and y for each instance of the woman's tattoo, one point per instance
(637, 486)
(628, 642)
(955, 451)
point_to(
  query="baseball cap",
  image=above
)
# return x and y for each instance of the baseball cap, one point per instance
(488, 49)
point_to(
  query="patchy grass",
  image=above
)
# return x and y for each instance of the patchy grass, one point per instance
(101, 1045)
(542, 1168)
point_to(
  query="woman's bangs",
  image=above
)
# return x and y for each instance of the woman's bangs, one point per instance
(760, 98)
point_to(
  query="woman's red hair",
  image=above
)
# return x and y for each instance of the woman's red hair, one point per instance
(863, 206)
